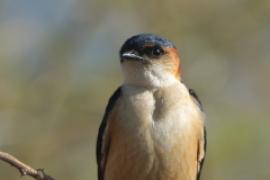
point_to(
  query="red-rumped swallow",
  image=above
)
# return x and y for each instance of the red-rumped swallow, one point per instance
(153, 126)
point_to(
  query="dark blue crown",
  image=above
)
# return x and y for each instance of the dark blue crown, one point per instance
(138, 41)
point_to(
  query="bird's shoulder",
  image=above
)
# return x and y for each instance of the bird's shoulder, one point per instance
(195, 97)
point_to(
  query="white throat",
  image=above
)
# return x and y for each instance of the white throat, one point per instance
(152, 76)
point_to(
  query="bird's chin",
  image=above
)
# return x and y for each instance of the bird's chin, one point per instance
(136, 60)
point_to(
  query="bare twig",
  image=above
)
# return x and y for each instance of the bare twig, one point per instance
(24, 169)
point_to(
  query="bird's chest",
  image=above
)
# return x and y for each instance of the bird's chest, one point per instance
(152, 129)
(154, 111)
(155, 118)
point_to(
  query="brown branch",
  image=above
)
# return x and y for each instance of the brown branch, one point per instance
(24, 169)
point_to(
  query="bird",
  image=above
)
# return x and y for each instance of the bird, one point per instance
(153, 127)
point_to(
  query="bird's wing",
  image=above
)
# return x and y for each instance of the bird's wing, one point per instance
(201, 153)
(103, 139)
(201, 150)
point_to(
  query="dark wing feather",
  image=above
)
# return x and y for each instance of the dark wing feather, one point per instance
(200, 160)
(196, 98)
(100, 154)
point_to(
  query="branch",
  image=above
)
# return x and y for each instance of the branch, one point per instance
(24, 169)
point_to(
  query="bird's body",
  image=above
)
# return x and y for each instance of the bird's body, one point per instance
(153, 129)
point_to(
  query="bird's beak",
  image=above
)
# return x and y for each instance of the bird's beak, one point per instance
(130, 55)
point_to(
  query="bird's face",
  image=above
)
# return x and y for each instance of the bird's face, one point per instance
(149, 60)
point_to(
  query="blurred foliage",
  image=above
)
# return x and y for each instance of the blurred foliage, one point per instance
(59, 65)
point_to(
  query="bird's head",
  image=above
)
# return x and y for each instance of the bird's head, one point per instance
(149, 60)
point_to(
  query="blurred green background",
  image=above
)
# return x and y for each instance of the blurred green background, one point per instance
(59, 65)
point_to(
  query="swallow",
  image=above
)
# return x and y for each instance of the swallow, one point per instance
(153, 127)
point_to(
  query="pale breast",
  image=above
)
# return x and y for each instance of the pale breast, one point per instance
(154, 135)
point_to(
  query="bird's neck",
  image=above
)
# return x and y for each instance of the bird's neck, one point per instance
(150, 79)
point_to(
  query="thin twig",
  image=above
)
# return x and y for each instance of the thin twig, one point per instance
(24, 169)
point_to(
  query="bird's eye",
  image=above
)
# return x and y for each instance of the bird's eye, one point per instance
(157, 51)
